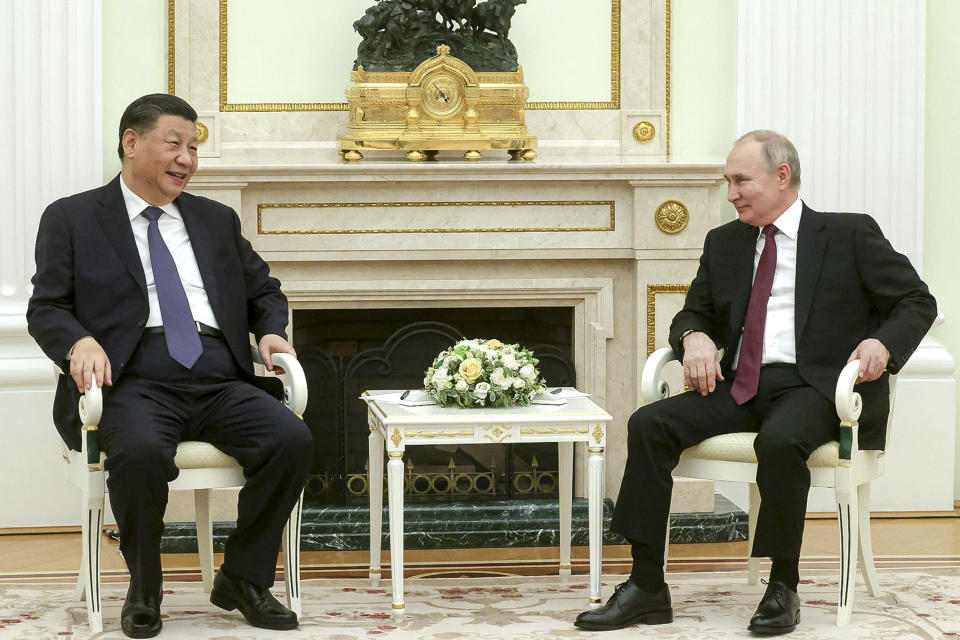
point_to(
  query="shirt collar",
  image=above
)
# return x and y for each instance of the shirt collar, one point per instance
(788, 222)
(135, 204)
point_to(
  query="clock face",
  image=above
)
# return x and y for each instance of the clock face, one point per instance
(442, 96)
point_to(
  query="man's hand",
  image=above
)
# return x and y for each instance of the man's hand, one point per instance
(88, 360)
(873, 358)
(701, 362)
(270, 344)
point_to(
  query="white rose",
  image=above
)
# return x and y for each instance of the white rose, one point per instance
(482, 389)
(497, 377)
(518, 383)
(526, 371)
(441, 376)
(461, 385)
(509, 361)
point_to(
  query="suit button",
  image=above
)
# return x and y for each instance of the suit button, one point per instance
(143, 322)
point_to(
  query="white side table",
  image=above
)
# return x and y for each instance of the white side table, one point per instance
(396, 427)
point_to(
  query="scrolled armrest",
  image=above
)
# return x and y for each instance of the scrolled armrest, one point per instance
(294, 380)
(847, 400)
(91, 405)
(90, 409)
(652, 388)
(849, 407)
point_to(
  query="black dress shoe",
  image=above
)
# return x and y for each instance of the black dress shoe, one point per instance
(628, 605)
(140, 616)
(778, 611)
(256, 603)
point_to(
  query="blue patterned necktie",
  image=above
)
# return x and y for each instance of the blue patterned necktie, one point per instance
(183, 340)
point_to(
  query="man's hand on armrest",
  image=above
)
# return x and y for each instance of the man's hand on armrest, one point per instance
(701, 362)
(873, 358)
(270, 344)
(88, 359)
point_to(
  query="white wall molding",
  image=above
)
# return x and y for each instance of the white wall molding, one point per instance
(844, 80)
(51, 60)
(50, 69)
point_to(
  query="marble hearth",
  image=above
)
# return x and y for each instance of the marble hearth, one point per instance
(615, 241)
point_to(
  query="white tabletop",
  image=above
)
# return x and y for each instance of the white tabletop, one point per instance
(575, 410)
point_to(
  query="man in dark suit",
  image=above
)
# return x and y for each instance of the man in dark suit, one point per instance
(790, 295)
(153, 292)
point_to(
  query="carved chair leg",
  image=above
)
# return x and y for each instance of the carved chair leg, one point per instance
(201, 500)
(753, 564)
(291, 557)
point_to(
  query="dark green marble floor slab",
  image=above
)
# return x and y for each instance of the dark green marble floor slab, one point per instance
(451, 525)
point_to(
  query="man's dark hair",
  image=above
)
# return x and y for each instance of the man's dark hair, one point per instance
(142, 114)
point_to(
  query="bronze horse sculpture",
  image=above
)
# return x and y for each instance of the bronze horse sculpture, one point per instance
(495, 16)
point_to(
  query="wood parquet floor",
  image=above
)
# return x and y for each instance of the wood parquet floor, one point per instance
(913, 541)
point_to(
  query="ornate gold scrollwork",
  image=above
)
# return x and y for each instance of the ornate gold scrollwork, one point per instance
(644, 131)
(672, 216)
(598, 433)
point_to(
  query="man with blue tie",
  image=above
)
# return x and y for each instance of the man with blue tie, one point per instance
(153, 293)
(790, 295)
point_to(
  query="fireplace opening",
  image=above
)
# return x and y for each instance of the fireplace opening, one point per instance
(347, 351)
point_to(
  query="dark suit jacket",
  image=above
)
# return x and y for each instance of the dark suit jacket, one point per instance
(90, 282)
(851, 285)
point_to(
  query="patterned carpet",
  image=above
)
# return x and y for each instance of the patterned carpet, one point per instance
(923, 603)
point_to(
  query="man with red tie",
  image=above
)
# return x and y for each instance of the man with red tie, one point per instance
(790, 295)
(153, 293)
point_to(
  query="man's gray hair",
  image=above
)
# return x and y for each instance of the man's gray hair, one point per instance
(775, 150)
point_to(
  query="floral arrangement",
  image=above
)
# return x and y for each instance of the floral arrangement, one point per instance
(484, 373)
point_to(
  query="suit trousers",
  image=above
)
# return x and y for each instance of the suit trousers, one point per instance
(791, 419)
(156, 404)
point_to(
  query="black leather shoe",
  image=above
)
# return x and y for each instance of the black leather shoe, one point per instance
(256, 603)
(628, 605)
(140, 616)
(778, 611)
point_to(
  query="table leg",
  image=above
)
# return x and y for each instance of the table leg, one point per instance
(565, 456)
(595, 463)
(395, 492)
(375, 488)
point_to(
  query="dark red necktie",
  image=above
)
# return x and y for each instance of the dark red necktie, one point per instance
(751, 347)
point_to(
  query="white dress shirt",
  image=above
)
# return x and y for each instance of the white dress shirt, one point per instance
(174, 234)
(779, 332)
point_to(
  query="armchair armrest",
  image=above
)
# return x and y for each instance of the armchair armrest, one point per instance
(849, 407)
(652, 388)
(294, 381)
(90, 409)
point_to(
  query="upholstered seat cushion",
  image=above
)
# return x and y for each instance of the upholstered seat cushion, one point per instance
(197, 455)
(738, 447)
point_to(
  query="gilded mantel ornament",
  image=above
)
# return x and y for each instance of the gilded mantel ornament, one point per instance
(442, 105)
(403, 97)
(644, 131)
(203, 133)
(672, 216)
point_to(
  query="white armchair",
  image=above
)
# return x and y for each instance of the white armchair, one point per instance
(838, 465)
(203, 468)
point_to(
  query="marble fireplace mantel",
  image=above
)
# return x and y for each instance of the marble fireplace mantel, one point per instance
(578, 232)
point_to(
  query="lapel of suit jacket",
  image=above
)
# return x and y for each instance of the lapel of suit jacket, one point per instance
(811, 246)
(115, 222)
(743, 250)
(201, 239)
